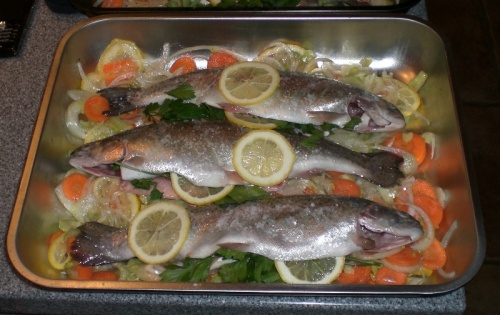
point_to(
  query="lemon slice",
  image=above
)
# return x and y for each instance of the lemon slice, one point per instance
(249, 121)
(197, 195)
(263, 157)
(119, 49)
(116, 207)
(157, 233)
(247, 83)
(58, 255)
(394, 91)
(316, 271)
(408, 100)
(286, 56)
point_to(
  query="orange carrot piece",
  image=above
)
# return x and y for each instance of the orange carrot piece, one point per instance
(405, 258)
(431, 206)
(360, 275)
(309, 191)
(112, 4)
(126, 68)
(130, 115)
(53, 236)
(421, 186)
(220, 59)
(73, 186)
(83, 272)
(183, 65)
(104, 276)
(416, 146)
(94, 107)
(434, 257)
(388, 276)
(345, 187)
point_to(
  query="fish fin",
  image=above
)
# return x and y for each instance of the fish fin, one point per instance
(384, 168)
(321, 117)
(242, 247)
(119, 99)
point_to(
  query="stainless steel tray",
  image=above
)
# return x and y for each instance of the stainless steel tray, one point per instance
(341, 6)
(402, 45)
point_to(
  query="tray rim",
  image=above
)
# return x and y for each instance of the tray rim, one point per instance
(227, 288)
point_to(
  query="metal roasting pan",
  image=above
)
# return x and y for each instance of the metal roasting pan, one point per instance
(402, 45)
(349, 6)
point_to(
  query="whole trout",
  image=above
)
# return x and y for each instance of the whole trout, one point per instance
(201, 151)
(286, 228)
(300, 98)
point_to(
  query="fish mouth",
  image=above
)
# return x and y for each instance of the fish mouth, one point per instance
(380, 228)
(375, 116)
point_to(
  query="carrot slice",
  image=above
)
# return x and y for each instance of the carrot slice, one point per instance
(434, 257)
(53, 236)
(309, 191)
(345, 187)
(130, 115)
(183, 65)
(73, 186)
(83, 272)
(431, 206)
(416, 145)
(94, 107)
(104, 276)
(220, 59)
(125, 68)
(405, 258)
(359, 275)
(388, 276)
(421, 186)
(112, 4)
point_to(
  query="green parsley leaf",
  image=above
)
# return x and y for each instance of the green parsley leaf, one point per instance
(183, 92)
(352, 123)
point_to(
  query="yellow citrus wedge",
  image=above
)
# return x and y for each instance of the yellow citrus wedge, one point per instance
(197, 195)
(248, 83)
(249, 121)
(116, 207)
(317, 271)
(58, 255)
(157, 233)
(263, 157)
(287, 56)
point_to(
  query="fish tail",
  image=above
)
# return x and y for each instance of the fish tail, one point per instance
(99, 244)
(119, 99)
(384, 168)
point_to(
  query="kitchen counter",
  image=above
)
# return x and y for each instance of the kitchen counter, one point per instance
(22, 81)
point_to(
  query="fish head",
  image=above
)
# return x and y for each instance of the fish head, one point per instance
(97, 158)
(380, 228)
(376, 114)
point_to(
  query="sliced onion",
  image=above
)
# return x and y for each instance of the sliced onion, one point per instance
(73, 119)
(410, 164)
(425, 241)
(219, 262)
(447, 275)
(77, 95)
(447, 236)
